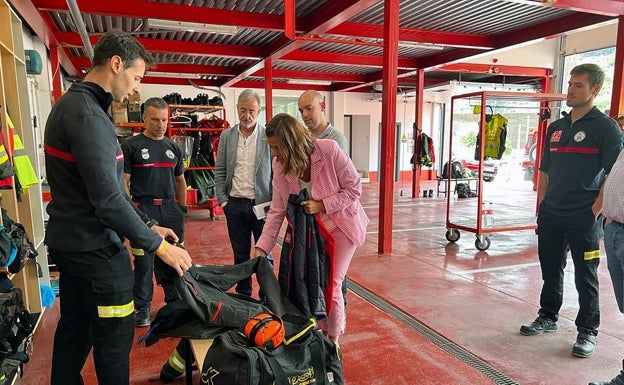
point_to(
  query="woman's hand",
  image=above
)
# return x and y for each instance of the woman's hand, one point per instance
(258, 252)
(313, 207)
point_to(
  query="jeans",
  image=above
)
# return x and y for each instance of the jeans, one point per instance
(614, 246)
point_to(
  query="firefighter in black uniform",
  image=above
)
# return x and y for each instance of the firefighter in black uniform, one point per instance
(90, 215)
(579, 150)
(154, 175)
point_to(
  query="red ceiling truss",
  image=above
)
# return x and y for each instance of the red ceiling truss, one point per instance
(337, 41)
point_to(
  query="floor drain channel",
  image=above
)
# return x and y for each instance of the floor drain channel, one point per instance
(443, 343)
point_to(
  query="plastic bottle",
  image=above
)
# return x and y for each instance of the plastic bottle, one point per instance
(487, 213)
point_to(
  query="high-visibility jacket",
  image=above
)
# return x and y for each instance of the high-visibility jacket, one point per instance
(23, 167)
(495, 136)
(6, 167)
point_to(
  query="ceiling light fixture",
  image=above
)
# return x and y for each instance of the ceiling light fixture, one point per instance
(172, 75)
(174, 25)
(310, 81)
(411, 44)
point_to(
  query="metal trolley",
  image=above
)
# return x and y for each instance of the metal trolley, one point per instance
(467, 214)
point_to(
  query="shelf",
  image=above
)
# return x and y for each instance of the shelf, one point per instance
(130, 125)
(186, 108)
(182, 130)
(14, 97)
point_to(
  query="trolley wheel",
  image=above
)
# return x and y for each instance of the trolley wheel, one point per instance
(482, 246)
(452, 235)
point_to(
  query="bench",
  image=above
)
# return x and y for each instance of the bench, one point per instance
(445, 181)
(196, 353)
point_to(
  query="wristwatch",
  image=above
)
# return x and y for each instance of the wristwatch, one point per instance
(151, 223)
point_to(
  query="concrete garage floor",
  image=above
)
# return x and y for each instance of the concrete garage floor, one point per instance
(430, 312)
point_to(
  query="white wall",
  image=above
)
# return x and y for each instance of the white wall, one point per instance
(40, 95)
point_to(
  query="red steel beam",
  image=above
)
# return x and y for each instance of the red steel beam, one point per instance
(346, 59)
(599, 7)
(179, 82)
(327, 17)
(486, 68)
(314, 75)
(72, 39)
(548, 29)
(290, 19)
(417, 131)
(373, 31)
(617, 94)
(268, 89)
(148, 9)
(388, 124)
(282, 86)
(551, 28)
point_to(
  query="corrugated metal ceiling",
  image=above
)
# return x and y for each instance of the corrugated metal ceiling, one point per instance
(463, 28)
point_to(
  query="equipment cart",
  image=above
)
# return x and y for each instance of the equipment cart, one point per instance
(510, 204)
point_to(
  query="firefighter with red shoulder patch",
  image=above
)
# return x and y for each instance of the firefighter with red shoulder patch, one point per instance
(90, 215)
(154, 176)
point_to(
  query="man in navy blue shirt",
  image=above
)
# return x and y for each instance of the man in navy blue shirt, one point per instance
(579, 150)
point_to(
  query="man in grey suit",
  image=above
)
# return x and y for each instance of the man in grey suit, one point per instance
(243, 178)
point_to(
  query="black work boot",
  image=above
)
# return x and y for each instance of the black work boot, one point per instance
(584, 346)
(142, 316)
(424, 193)
(539, 326)
(430, 193)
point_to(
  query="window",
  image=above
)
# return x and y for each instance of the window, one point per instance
(605, 58)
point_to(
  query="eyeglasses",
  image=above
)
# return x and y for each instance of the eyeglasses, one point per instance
(244, 111)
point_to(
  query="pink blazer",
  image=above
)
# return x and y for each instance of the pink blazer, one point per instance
(335, 181)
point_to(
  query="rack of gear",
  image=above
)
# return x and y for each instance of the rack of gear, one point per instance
(197, 129)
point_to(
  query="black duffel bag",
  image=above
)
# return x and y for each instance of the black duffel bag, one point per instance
(307, 357)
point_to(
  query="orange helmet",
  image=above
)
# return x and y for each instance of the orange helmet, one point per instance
(265, 330)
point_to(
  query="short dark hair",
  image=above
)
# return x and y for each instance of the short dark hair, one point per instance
(594, 72)
(123, 45)
(156, 102)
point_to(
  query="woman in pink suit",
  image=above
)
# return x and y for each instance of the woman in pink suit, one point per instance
(321, 167)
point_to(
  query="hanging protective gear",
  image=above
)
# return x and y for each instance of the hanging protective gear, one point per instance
(23, 168)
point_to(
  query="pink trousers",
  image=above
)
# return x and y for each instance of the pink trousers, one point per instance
(335, 323)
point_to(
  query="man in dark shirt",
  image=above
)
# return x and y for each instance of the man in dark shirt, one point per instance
(154, 176)
(90, 215)
(579, 150)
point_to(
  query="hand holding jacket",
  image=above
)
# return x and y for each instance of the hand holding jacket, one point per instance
(174, 256)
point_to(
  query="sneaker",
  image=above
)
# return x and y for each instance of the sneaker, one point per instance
(142, 317)
(584, 346)
(539, 326)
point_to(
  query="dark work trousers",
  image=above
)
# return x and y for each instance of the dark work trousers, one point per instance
(170, 215)
(242, 224)
(96, 312)
(580, 234)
